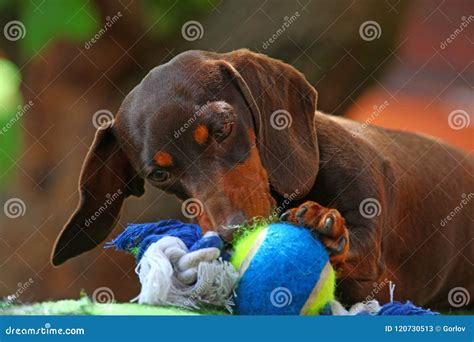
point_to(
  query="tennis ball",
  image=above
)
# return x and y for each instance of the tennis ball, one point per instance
(284, 270)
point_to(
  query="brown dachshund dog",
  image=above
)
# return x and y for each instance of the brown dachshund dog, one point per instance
(240, 133)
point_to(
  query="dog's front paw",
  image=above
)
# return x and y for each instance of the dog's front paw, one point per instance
(327, 223)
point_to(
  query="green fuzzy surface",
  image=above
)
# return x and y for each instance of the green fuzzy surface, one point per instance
(85, 306)
(243, 245)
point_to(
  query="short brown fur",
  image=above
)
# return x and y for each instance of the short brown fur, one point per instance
(326, 166)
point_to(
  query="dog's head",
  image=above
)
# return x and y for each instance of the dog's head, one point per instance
(217, 129)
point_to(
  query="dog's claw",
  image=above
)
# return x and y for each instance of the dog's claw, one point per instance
(341, 243)
(326, 223)
(301, 211)
(284, 217)
(327, 228)
(300, 215)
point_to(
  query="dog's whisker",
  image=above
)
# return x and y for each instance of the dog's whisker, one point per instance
(230, 226)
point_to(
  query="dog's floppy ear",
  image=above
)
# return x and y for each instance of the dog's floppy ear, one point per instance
(283, 106)
(107, 178)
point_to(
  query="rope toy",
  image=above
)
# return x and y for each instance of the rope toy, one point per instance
(279, 269)
(178, 266)
(373, 308)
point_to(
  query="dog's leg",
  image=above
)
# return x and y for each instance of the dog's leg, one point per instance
(327, 223)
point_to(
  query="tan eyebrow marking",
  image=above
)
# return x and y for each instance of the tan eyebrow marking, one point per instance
(163, 159)
(200, 134)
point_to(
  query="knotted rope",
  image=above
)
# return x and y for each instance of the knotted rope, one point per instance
(178, 266)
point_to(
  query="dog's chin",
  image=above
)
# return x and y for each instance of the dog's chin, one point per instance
(227, 229)
(225, 226)
(226, 232)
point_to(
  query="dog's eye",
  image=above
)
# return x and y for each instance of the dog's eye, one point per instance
(223, 132)
(159, 176)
